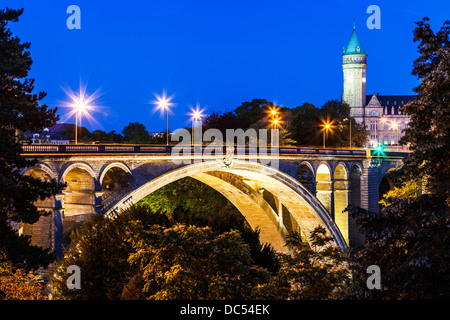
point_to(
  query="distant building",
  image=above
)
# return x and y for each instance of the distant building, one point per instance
(380, 114)
(47, 136)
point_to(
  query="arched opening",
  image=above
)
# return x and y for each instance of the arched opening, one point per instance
(42, 231)
(79, 200)
(323, 186)
(114, 184)
(305, 176)
(341, 200)
(386, 185)
(245, 193)
(357, 239)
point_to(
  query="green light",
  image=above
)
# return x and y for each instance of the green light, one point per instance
(379, 150)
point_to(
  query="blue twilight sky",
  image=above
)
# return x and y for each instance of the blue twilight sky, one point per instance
(214, 53)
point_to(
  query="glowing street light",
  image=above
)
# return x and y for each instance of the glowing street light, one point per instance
(394, 126)
(80, 104)
(163, 103)
(327, 126)
(80, 107)
(196, 115)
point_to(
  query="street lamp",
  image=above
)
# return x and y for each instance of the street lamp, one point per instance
(394, 126)
(196, 115)
(350, 126)
(80, 106)
(163, 104)
(325, 127)
(275, 123)
(273, 112)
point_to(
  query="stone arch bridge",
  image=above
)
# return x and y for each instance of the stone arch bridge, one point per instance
(300, 189)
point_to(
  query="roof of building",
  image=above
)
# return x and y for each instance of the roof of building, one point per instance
(391, 104)
(354, 45)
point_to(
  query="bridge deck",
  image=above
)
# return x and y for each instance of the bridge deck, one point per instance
(44, 149)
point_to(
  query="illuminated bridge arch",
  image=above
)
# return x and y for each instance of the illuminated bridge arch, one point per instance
(246, 184)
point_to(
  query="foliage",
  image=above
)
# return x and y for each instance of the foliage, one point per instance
(135, 132)
(222, 122)
(188, 262)
(313, 271)
(429, 129)
(191, 202)
(409, 237)
(99, 250)
(20, 111)
(19, 284)
(409, 240)
(83, 134)
(409, 189)
(103, 136)
(251, 112)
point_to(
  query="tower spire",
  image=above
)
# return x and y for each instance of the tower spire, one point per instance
(354, 66)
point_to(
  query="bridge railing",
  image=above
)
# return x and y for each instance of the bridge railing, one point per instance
(157, 149)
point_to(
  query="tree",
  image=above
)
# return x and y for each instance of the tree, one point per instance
(135, 132)
(20, 111)
(99, 250)
(409, 237)
(307, 123)
(110, 251)
(103, 136)
(428, 131)
(222, 122)
(84, 135)
(313, 271)
(304, 124)
(251, 112)
(191, 202)
(188, 262)
(19, 284)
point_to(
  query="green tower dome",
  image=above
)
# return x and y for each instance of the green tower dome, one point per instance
(354, 45)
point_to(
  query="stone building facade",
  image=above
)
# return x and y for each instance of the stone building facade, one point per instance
(381, 114)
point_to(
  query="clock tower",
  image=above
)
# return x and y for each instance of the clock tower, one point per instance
(354, 66)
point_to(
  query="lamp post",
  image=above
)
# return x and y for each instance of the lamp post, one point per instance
(350, 127)
(326, 127)
(80, 106)
(275, 123)
(163, 104)
(195, 115)
(394, 125)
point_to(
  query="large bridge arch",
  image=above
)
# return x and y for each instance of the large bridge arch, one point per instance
(303, 206)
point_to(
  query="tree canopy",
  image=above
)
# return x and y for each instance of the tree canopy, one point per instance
(20, 111)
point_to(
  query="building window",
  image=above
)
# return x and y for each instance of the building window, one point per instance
(374, 114)
(373, 125)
